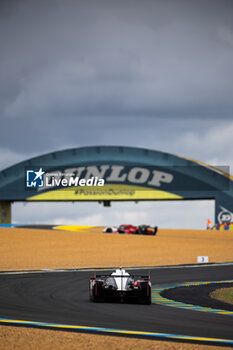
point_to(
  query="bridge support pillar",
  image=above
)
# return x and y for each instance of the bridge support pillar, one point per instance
(5, 212)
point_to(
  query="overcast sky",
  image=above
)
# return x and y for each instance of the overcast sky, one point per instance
(148, 73)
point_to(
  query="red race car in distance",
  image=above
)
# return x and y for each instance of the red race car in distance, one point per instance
(140, 230)
(127, 229)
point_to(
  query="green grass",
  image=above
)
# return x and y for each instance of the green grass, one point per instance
(223, 294)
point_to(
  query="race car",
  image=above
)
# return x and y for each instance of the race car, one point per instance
(126, 229)
(120, 286)
(141, 229)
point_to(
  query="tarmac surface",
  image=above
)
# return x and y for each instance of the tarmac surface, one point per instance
(199, 295)
(62, 297)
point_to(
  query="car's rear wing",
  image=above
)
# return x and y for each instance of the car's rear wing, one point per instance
(141, 276)
(123, 276)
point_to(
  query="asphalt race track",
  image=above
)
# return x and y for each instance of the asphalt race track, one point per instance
(62, 298)
(198, 295)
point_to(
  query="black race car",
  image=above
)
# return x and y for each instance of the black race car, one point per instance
(120, 286)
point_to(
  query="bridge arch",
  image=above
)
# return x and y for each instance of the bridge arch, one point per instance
(129, 174)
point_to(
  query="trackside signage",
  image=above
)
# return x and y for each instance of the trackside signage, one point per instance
(96, 176)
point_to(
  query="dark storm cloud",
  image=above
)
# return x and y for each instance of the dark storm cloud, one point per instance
(70, 69)
(116, 58)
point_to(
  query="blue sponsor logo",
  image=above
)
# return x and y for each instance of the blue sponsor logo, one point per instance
(35, 178)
